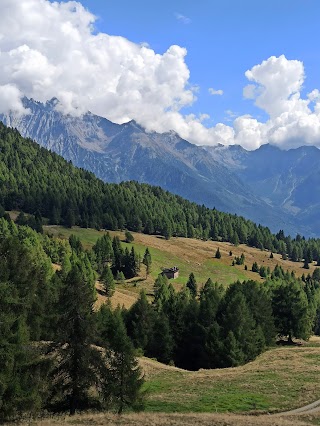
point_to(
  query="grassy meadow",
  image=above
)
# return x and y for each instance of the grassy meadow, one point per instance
(190, 255)
(280, 379)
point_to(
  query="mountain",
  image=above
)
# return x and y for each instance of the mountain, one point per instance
(118, 153)
(286, 180)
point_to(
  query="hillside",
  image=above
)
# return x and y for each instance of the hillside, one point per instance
(190, 255)
(278, 380)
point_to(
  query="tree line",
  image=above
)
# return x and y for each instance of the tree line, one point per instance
(217, 327)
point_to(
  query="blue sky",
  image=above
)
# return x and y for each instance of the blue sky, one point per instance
(230, 72)
(223, 40)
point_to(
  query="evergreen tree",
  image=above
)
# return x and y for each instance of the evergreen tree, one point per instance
(147, 261)
(76, 361)
(235, 239)
(75, 244)
(238, 319)
(167, 229)
(139, 322)
(291, 311)
(192, 285)
(161, 291)
(20, 378)
(103, 250)
(120, 277)
(190, 352)
(107, 281)
(118, 255)
(232, 351)
(121, 386)
(255, 267)
(24, 299)
(128, 237)
(161, 343)
(210, 297)
(218, 254)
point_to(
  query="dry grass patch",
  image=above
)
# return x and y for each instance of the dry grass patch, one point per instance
(161, 419)
(121, 297)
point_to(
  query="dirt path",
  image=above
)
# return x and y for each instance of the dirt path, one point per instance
(312, 408)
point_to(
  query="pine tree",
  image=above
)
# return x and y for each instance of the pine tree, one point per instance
(235, 239)
(103, 250)
(291, 310)
(108, 281)
(120, 277)
(161, 291)
(118, 255)
(140, 322)
(121, 386)
(161, 343)
(238, 319)
(218, 254)
(214, 347)
(20, 367)
(24, 278)
(128, 236)
(192, 285)
(147, 261)
(76, 361)
(232, 351)
(255, 267)
(167, 229)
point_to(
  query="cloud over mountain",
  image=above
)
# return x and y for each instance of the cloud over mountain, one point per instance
(50, 49)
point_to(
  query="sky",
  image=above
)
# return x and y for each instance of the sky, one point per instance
(215, 71)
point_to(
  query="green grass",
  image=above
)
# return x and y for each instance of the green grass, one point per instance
(200, 397)
(88, 237)
(282, 378)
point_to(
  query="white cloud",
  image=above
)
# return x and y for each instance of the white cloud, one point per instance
(49, 49)
(183, 19)
(277, 85)
(10, 99)
(215, 92)
(276, 89)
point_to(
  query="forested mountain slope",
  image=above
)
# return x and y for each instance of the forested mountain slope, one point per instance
(34, 179)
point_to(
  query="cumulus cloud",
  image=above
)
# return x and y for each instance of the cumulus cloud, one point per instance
(50, 49)
(276, 88)
(215, 92)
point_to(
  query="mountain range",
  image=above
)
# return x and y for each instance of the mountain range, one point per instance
(276, 188)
